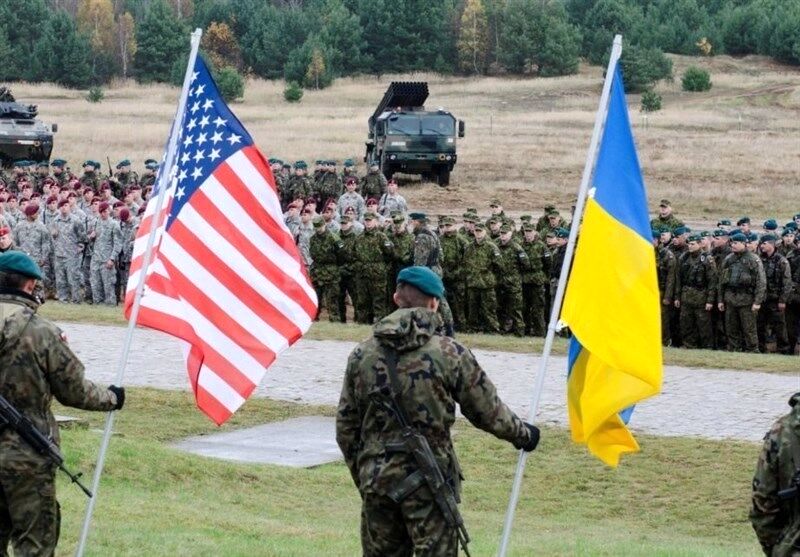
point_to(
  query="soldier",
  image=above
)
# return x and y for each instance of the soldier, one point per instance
(148, 179)
(41, 176)
(328, 187)
(69, 235)
(6, 240)
(329, 216)
(725, 224)
(665, 219)
(403, 255)
(90, 175)
(496, 207)
(742, 287)
(372, 250)
(128, 226)
(276, 165)
(787, 244)
(744, 225)
(348, 171)
(36, 365)
(534, 280)
(543, 224)
(123, 178)
(324, 248)
(372, 207)
(493, 225)
(347, 266)
(92, 217)
(772, 315)
(776, 519)
(304, 232)
(678, 243)
(319, 170)
(512, 263)
(554, 222)
(720, 249)
(392, 202)
(454, 245)
(695, 284)
(107, 246)
(793, 307)
(427, 374)
(373, 184)
(13, 213)
(481, 259)
(468, 225)
(752, 242)
(32, 237)
(557, 259)
(666, 265)
(351, 198)
(428, 253)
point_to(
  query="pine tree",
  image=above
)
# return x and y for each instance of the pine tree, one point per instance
(63, 55)
(473, 42)
(161, 39)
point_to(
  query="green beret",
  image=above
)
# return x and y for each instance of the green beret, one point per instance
(562, 233)
(771, 224)
(418, 216)
(348, 163)
(286, 165)
(724, 222)
(769, 238)
(318, 221)
(423, 279)
(743, 220)
(272, 161)
(42, 164)
(20, 263)
(752, 237)
(681, 230)
(694, 238)
(797, 216)
(656, 233)
(58, 162)
(150, 161)
(792, 225)
(789, 231)
(719, 232)
(152, 165)
(319, 161)
(705, 234)
(124, 162)
(738, 237)
(300, 164)
(22, 163)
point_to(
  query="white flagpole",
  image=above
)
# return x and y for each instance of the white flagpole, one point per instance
(588, 173)
(165, 176)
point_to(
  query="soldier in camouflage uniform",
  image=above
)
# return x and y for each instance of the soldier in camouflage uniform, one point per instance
(328, 186)
(128, 226)
(373, 250)
(298, 186)
(402, 257)
(481, 259)
(348, 171)
(32, 237)
(793, 307)
(392, 202)
(60, 172)
(373, 184)
(454, 245)
(720, 249)
(742, 287)
(433, 373)
(787, 244)
(324, 248)
(36, 365)
(533, 281)
(92, 216)
(107, 246)
(91, 175)
(348, 266)
(512, 263)
(665, 218)
(41, 176)
(772, 333)
(69, 235)
(276, 166)
(351, 198)
(148, 178)
(666, 266)
(695, 295)
(123, 178)
(428, 253)
(777, 521)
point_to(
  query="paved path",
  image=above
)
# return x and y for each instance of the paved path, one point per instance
(695, 402)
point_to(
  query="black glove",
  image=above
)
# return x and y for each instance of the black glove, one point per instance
(531, 445)
(120, 392)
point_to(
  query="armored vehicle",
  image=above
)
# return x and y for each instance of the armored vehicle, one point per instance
(22, 136)
(405, 137)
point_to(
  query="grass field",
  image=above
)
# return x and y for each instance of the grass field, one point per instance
(725, 153)
(678, 497)
(324, 330)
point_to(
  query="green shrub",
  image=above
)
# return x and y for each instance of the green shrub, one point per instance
(651, 101)
(643, 67)
(230, 84)
(293, 92)
(696, 79)
(95, 95)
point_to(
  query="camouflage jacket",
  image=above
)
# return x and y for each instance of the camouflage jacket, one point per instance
(33, 238)
(324, 250)
(373, 250)
(372, 185)
(403, 249)
(778, 273)
(793, 257)
(328, 186)
(454, 246)
(427, 250)
(513, 262)
(90, 179)
(742, 281)
(719, 254)
(538, 259)
(128, 235)
(435, 373)
(666, 269)
(107, 241)
(389, 204)
(68, 235)
(696, 280)
(347, 253)
(351, 199)
(670, 223)
(481, 260)
(776, 522)
(557, 261)
(36, 364)
(297, 187)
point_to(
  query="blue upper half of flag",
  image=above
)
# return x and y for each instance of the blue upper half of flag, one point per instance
(617, 177)
(209, 133)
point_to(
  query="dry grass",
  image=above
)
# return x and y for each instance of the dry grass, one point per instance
(526, 138)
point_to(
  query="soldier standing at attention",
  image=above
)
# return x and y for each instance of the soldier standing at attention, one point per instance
(428, 253)
(32, 237)
(298, 186)
(324, 248)
(123, 178)
(348, 171)
(373, 250)
(666, 265)
(777, 520)
(347, 269)
(742, 287)
(148, 178)
(351, 198)
(513, 262)
(374, 183)
(665, 219)
(60, 173)
(391, 201)
(481, 259)
(793, 307)
(695, 294)
(403, 255)
(772, 315)
(36, 365)
(128, 225)
(90, 177)
(454, 245)
(427, 374)
(107, 246)
(69, 235)
(533, 281)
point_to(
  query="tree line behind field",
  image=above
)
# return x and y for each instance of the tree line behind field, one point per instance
(78, 43)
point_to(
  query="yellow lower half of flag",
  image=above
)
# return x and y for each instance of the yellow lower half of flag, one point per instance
(612, 308)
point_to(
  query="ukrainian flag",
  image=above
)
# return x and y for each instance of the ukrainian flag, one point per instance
(612, 302)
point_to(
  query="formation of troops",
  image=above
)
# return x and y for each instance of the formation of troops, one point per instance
(733, 288)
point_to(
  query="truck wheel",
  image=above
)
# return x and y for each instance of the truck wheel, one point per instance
(444, 177)
(387, 170)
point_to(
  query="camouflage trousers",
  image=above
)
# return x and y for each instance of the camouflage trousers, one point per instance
(666, 314)
(456, 296)
(30, 518)
(695, 324)
(415, 526)
(123, 272)
(328, 297)
(509, 309)
(68, 278)
(48, 270)
(771, 324)
(86, 269)
(347, 286)
(533, 309)
(740, 324)
(793, 323)
(370, 303)
(482, 310)
(103, 283)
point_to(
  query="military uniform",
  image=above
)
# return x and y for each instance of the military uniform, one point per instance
(327, 187)
(428, 253)
(771, 319)
(347, 272)
(695, 288)
(666, 266)
(69, 235)
(776, 521)
(121, 182)
(793, 307)
(454, 245)
(741, 285)
(128, 237)
(512, 263)
(36, 365)
(372, 185)
(402, 257)
(32, 237)
(434, 373)
(324, 248)
(297, 187)
(373, 250)
(351, 199)
(719, 253)
(533, 284)
(481, 260)
(107, 246)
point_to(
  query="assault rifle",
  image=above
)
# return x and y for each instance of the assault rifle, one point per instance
(10, 416)
(428, 471)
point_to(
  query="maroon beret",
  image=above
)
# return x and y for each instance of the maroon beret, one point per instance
(31, 209)
(124, 214)
(103, 206)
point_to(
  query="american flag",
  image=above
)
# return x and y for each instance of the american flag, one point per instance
(225, 276)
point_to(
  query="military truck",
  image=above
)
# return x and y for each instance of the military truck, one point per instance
(22, 136)
(405, 137)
